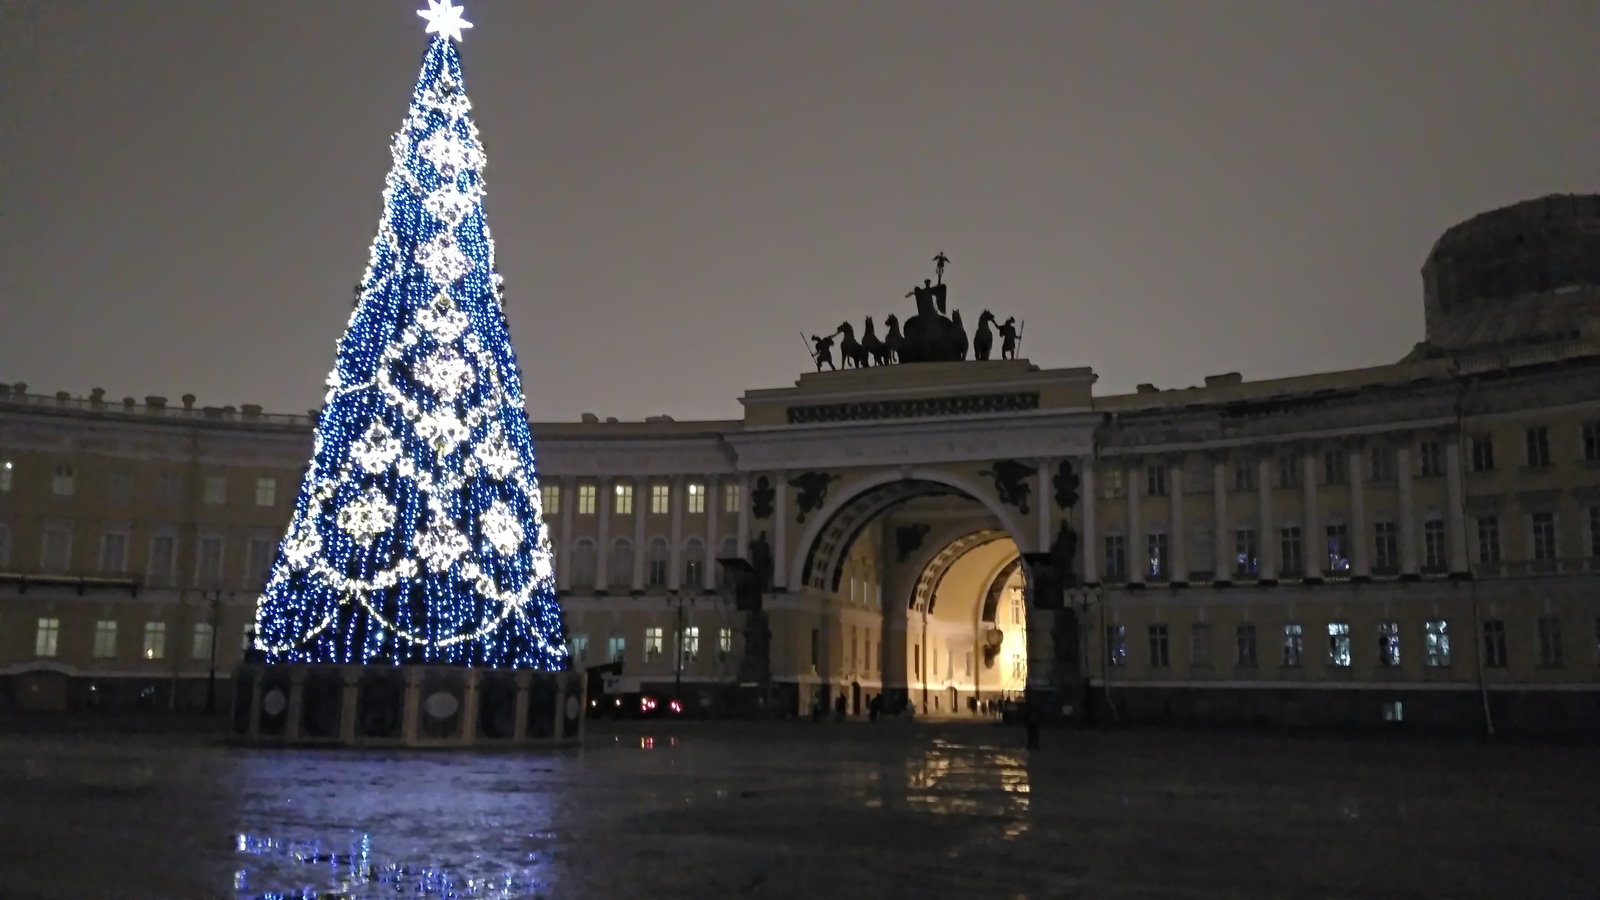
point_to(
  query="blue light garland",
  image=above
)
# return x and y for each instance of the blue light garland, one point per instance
(418, 534)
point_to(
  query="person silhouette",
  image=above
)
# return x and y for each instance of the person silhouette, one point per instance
(824, 351)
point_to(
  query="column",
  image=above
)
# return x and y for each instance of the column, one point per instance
(1178, 564)
(519, 718)
(1222, 548)
(349, 698)
(1138, 551)
(469, 708)
(743, 531)
(569, 499)
(1086, 497)
(412, 706)
(641, 508)
(780, 532)
(1267, 532)
(1458, 515)
(713, 495)
(1360, 540)
(675, 553)
(604, 499)
(1313, 538)
(1408, 516)
(1044, 497)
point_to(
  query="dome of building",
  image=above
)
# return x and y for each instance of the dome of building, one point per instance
(1524, 274)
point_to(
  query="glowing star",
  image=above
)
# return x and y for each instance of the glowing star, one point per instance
(367, 516)
(441, 546)
(377, 450)
(501, 527)
(444, 19)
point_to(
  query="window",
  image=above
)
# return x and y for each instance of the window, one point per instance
(1200, 644)
(5, 476)
(652, 644)
(201, 642)
(916, 655)
(1117, 645)
(169, 488)
(660, 558)
(1339, 643)
(1289, 540)
(105, 639)
(1549, 629)
(583, 563)
(1158, 647)
(155, 640)
(1113, 482)
(1016, 608)
(1382, 463)
(725, 645)
(1019, 666)
(64, 482)
(1482, 453)
(1494, 644)
(1156, 544)
(1393, 711)
(55, 548)
(113, 552)
(1116, 558)
(578, 647)
(1338, 547)
(694, 564)
(1389, 644)
(731, 495)
(550, 498)
(1244, 475)
(969, 663)
(1538, 447)
(660, 499)
(162, 552)
(586, 499)
(1591, 442)
(1544, 535)
(622, 562)
(623, 505)
(45, 635)
(266, 492)
(1386, 546)
(1333, 467)
(1430, 459)
(1288, 470)
(697, 498)
(1294, 645)
(1245, 643)
(259, 560)
(1433, 548)
(1436, 642)
(215, 491)
(1488, 539)
(1244, 547)
(119, 486)
(616, 648)
(208, 568)
(1155, 480)
(690, 642)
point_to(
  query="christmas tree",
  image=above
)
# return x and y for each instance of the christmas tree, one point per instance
(418, 534)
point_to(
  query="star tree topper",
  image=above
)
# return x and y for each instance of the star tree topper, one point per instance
(444, 19)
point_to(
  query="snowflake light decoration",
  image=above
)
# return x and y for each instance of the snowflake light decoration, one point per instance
(367, 516)
(501, 526)
(445, 373)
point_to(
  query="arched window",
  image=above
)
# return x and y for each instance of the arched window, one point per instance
(694, 564)
(622, 563)
(583, 564)
(660, 557)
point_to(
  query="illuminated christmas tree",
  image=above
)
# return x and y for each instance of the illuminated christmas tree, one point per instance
(418, 535)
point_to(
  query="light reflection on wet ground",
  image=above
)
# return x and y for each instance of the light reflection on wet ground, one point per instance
(802, 811)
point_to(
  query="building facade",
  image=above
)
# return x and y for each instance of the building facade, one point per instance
(1417, 542)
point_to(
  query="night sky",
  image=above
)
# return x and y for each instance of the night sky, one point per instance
(1160, 190)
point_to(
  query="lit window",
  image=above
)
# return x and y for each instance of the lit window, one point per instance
(105, 639)
(5, 476)
(724, 641)
(1294, 646)
(578, 646)
(624, 499)
(660, 499)
(550, 498)
(691, 644)
(1389, 643)
(1338, 643)
(1437, 635)
(1393, 711)
(1156, 547)
(1244, 552)
(1016, 607)
(652, 644)
(730, 498)
(586, 499)
(45, 637)
(215, 492)
(64, 481)
(201, 643)
(266, 492)
(1338, 548)
(616, 647)
(697, 498)
(155, 640)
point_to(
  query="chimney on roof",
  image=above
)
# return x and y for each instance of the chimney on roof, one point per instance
(658, 418)
(1224, 380)
(611, 420)
(1148, 389)
(590, 419)
(188, 401)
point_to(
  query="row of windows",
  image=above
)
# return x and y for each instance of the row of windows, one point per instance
(112, 556)
(169, 486)
(622, 498)
(1543, 541)
(1341, 652)
(687, 641)
(1289, 468)
(47, 638)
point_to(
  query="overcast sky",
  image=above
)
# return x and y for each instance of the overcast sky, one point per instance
(1160, 190)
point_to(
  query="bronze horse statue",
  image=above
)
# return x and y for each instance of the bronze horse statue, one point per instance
(892, 340)
(851, 353)
(983, 340)
(875, 347)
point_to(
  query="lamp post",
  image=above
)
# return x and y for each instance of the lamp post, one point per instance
(678, 600)
(1081, 598)
(211, 678)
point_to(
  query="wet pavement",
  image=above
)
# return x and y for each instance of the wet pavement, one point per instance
(803, 811)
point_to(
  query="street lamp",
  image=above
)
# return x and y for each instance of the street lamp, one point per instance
(211, 678)
(1080, 599)
(678, 600)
